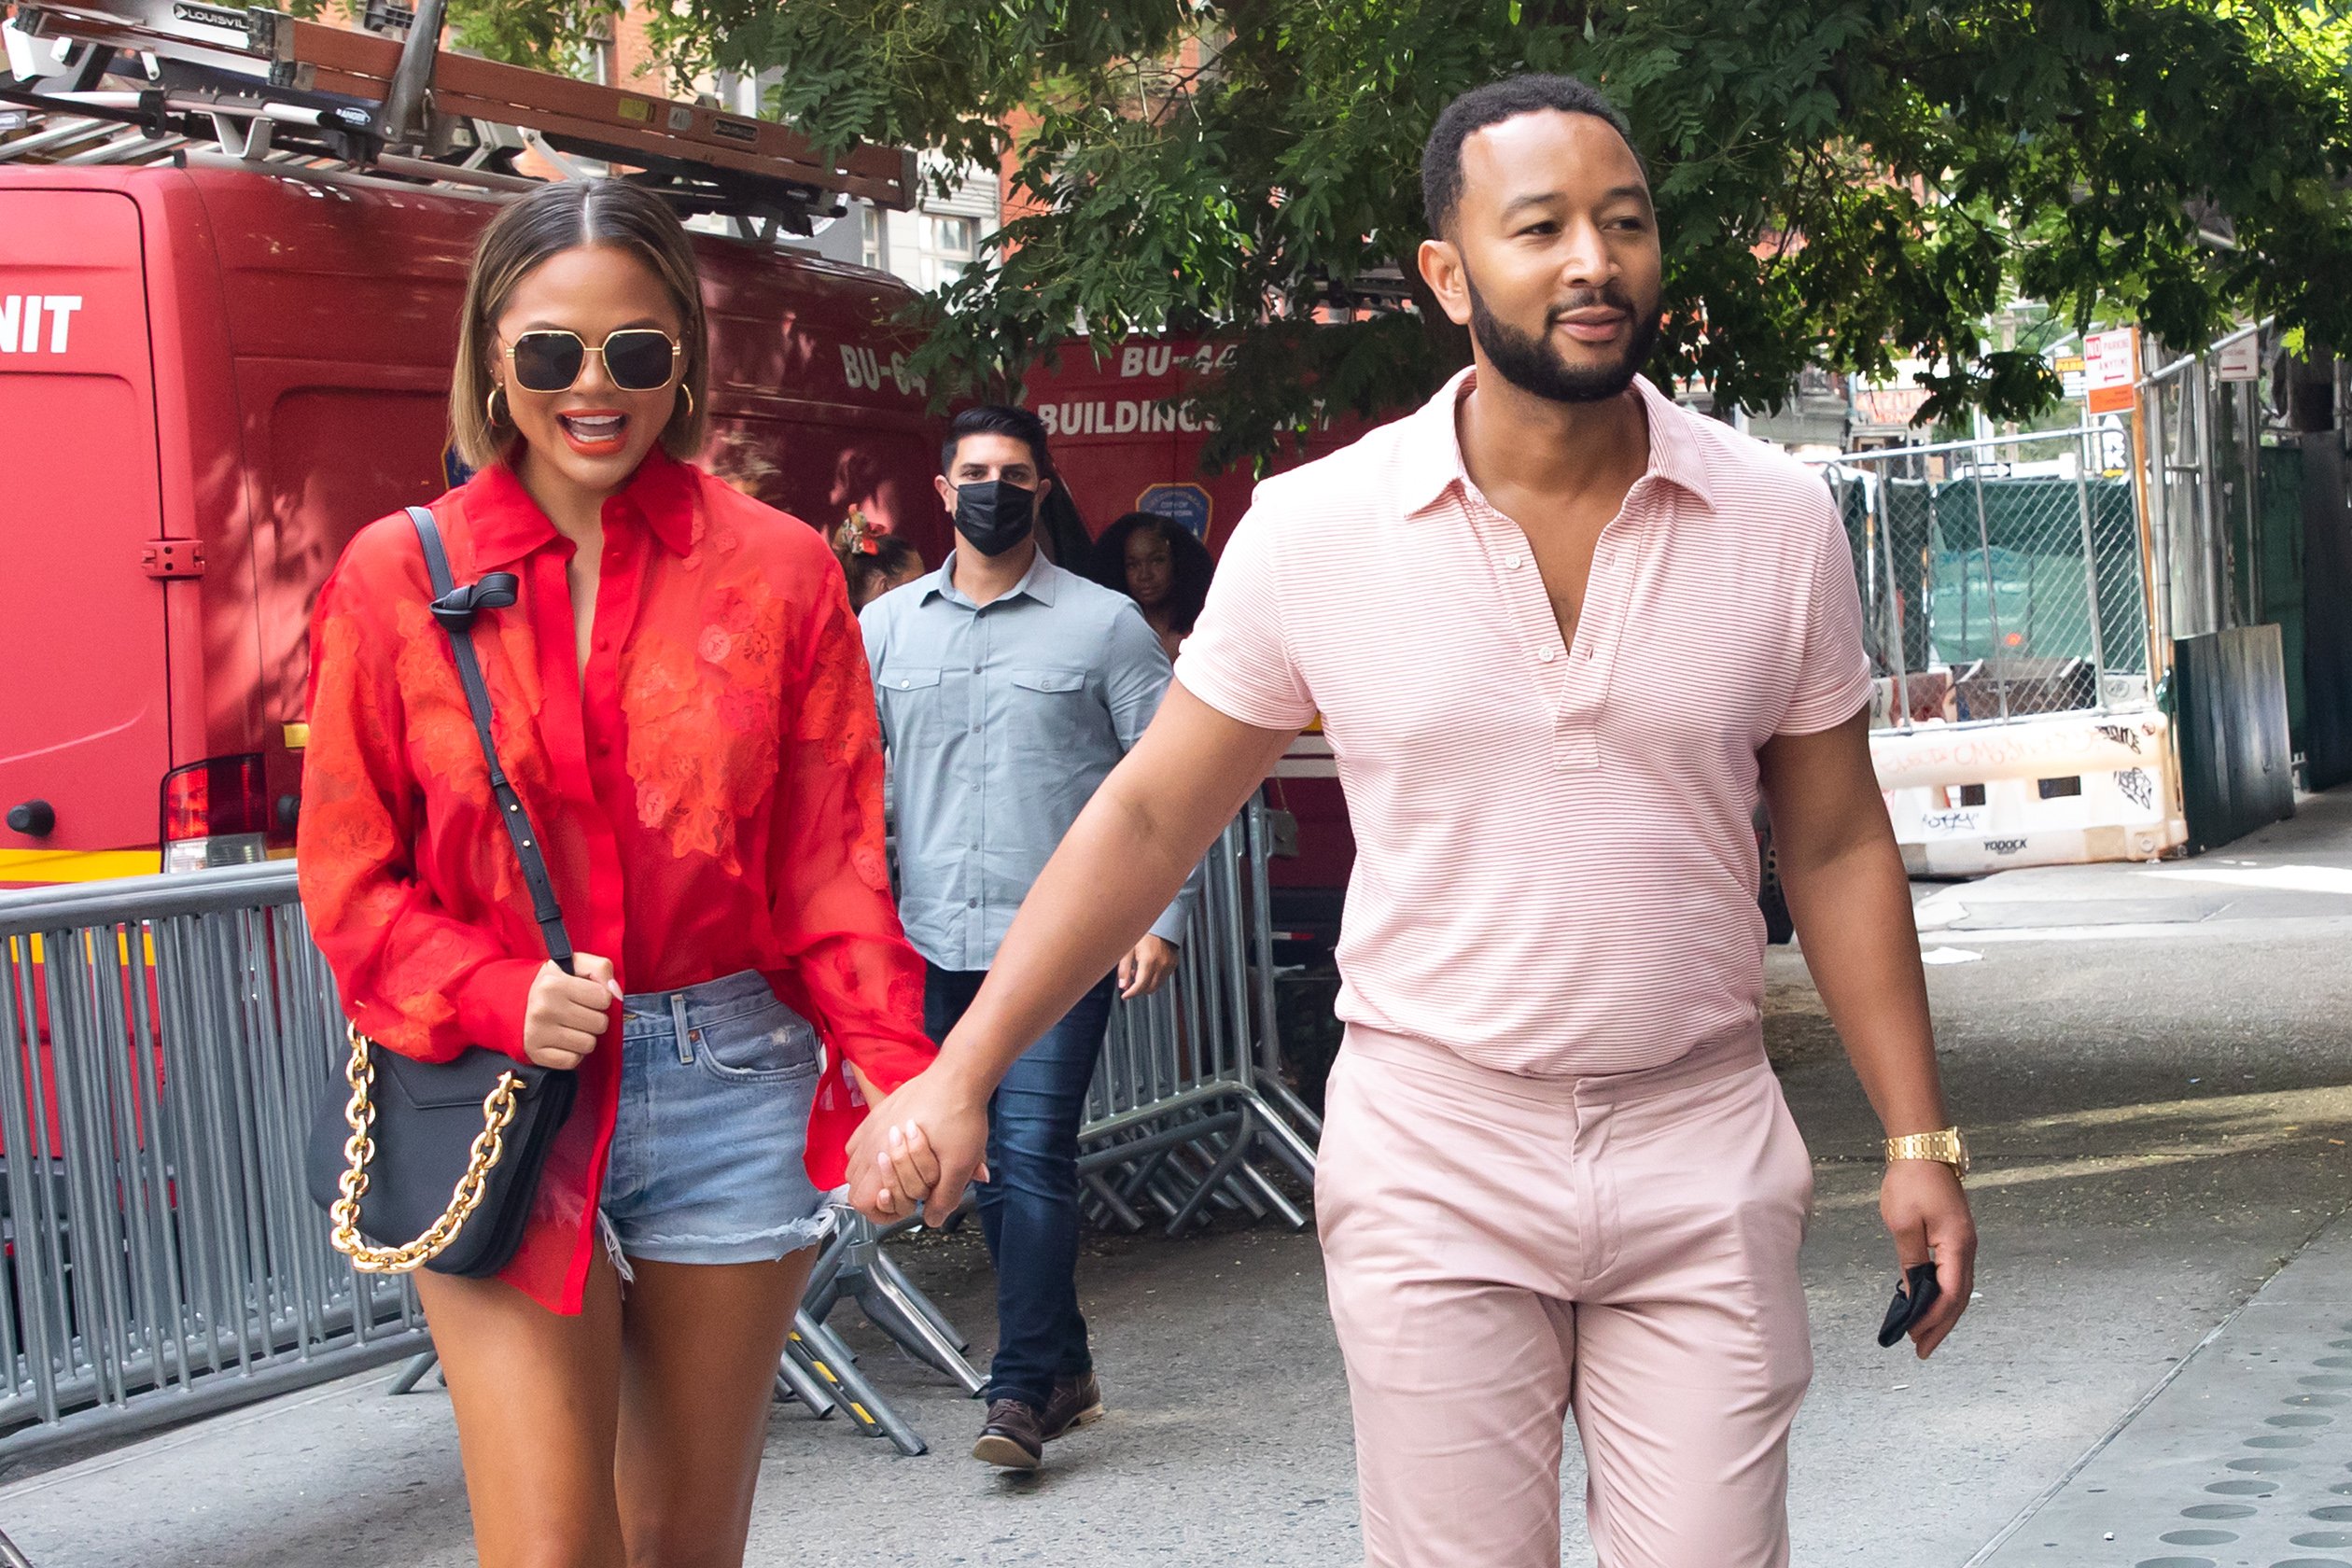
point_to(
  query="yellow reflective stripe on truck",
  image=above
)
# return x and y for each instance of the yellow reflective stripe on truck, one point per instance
(13, 952)
(76, 865)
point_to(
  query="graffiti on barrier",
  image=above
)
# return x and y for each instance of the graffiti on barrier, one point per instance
(1934, 755)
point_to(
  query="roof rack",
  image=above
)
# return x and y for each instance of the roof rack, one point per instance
(138, 80)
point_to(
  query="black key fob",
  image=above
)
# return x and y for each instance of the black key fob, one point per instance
(1913, 1297)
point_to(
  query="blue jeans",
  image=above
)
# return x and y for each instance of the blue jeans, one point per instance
(716, 1083)
(1028, 1206)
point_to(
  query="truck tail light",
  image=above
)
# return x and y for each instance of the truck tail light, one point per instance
(216, 813)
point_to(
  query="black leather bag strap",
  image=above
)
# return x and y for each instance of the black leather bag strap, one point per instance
(454, 608)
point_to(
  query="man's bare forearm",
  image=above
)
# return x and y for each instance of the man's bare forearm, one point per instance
(1115, 873)
(1854, 916)
(1850, 899)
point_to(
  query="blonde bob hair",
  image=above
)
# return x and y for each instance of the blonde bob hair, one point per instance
(558, 217)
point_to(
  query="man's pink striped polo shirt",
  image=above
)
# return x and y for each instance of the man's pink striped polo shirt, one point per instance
(1555, 865)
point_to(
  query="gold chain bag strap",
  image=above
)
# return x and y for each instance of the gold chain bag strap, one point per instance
(447, 1154)
(497, 1112)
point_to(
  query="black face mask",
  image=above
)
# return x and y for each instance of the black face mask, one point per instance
(994, 516)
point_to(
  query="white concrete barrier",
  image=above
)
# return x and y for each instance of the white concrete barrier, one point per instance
(2051, 789)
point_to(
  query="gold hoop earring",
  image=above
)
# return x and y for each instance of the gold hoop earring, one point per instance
(490, 408)
(690, 397)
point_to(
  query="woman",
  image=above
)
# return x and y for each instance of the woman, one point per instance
(1158, 564)
(873, 562)
(681, 696)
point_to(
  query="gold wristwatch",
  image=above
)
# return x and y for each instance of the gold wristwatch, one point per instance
(1946, 1146)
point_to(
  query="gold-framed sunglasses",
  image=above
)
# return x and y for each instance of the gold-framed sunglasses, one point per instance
(637, 358)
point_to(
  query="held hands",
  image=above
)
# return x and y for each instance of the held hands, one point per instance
(1927, 1214)
(1147, 968)
(566, 1013)
(922, 1146)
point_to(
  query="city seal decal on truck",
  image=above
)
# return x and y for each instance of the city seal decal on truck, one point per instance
(21, 320)
(1185, 505)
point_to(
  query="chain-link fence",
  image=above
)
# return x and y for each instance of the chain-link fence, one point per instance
(2000, 577)
(2204, 417)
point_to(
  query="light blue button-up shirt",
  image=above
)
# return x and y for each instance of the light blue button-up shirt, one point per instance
(999, 720)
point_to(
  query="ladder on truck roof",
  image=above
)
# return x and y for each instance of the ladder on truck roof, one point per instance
(109, 81)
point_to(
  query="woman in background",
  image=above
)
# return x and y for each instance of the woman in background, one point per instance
(874, 562)
(1156, 562)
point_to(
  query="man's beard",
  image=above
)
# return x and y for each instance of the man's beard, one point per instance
(1533, 365)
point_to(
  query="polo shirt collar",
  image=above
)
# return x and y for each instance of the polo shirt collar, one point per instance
(1677, 453)
(1431, 452)
(1039, 583)
(508, 525)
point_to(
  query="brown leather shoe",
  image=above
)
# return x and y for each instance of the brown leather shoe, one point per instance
(1076, 1401)
(1011, 1438)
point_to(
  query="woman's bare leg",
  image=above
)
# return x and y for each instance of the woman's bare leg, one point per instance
(701, 1343)
(538, 1398)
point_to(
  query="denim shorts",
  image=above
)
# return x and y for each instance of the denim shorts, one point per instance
(716, 1085)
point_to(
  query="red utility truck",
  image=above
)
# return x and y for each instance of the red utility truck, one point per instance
(215, 369)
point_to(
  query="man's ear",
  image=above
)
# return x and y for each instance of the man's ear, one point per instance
(946, 493)
(1044, 488)
(1441, 269)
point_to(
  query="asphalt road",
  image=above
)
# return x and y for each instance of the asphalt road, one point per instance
(2157, 1073)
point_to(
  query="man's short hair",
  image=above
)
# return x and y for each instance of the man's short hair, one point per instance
(1491, 105)
(995, 419)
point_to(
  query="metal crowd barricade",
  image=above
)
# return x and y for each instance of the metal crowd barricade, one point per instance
(1189, 1104)
(161, 1043)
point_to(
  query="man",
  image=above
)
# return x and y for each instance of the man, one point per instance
(1009, 689)
(1560, 631)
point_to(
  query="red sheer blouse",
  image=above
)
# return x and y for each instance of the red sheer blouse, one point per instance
(709, 796)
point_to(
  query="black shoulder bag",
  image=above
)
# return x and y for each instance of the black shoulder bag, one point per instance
(445, 1153)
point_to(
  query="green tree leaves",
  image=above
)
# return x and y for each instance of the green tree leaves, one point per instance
(1842, 181)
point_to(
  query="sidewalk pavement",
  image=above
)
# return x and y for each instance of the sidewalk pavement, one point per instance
(2243, 1456)
(2299, 870)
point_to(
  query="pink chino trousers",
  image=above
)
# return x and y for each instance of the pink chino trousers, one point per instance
(1503, 1252)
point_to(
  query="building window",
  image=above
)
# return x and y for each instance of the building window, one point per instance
(870, 235)
(603, 62)
(955, 242)
(956, 238)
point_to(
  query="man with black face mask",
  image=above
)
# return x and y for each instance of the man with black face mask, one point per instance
(1009, 689)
